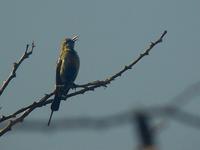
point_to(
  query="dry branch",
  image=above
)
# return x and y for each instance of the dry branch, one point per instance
(24, 112)
(16, 65)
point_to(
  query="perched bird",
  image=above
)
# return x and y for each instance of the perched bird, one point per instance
(66, 72)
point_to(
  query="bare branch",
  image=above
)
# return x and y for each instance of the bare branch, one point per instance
(92, 85)
(16, 65)
(86, 87)
(39, 103)
(25, 112)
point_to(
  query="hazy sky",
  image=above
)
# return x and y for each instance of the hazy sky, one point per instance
(112, 33)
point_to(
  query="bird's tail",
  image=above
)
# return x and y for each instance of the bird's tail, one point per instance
(50, 118)
(56, 103)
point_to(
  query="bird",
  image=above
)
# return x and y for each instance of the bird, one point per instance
(66, 72)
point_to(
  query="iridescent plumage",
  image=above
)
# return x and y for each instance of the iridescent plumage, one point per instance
(66, 72)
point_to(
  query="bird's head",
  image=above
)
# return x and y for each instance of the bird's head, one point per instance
(70, 42)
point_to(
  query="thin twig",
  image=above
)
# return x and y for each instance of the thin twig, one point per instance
(25, 113)
(16, 65)
(39, 103)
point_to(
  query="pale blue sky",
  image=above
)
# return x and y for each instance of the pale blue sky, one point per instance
(112, 33)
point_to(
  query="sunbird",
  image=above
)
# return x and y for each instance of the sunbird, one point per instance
(66, 72)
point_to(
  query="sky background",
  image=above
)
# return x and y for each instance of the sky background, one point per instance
(112, 33)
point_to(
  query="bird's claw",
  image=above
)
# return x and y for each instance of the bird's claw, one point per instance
(74, 86)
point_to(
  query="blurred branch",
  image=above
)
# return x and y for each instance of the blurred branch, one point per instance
(181, 116)
(108, 122)
(111, 121)
(86, 87)
(16, 65)
(188, 93)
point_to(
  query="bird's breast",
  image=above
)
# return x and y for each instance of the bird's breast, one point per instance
(72, 59)
(69, 67)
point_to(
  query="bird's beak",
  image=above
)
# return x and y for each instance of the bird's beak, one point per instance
(75, 38)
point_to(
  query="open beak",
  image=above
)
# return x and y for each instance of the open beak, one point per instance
(75, 38)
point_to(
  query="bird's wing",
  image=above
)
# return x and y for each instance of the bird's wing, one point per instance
(58, 78)
(69, 69)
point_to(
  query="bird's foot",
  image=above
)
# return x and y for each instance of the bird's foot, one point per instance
(74, 86)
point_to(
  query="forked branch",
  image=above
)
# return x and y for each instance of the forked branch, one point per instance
(27, 53)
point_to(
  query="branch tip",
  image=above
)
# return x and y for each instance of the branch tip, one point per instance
(27, 46)
(33, 44)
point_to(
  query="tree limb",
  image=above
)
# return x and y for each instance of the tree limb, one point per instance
(16, 65)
